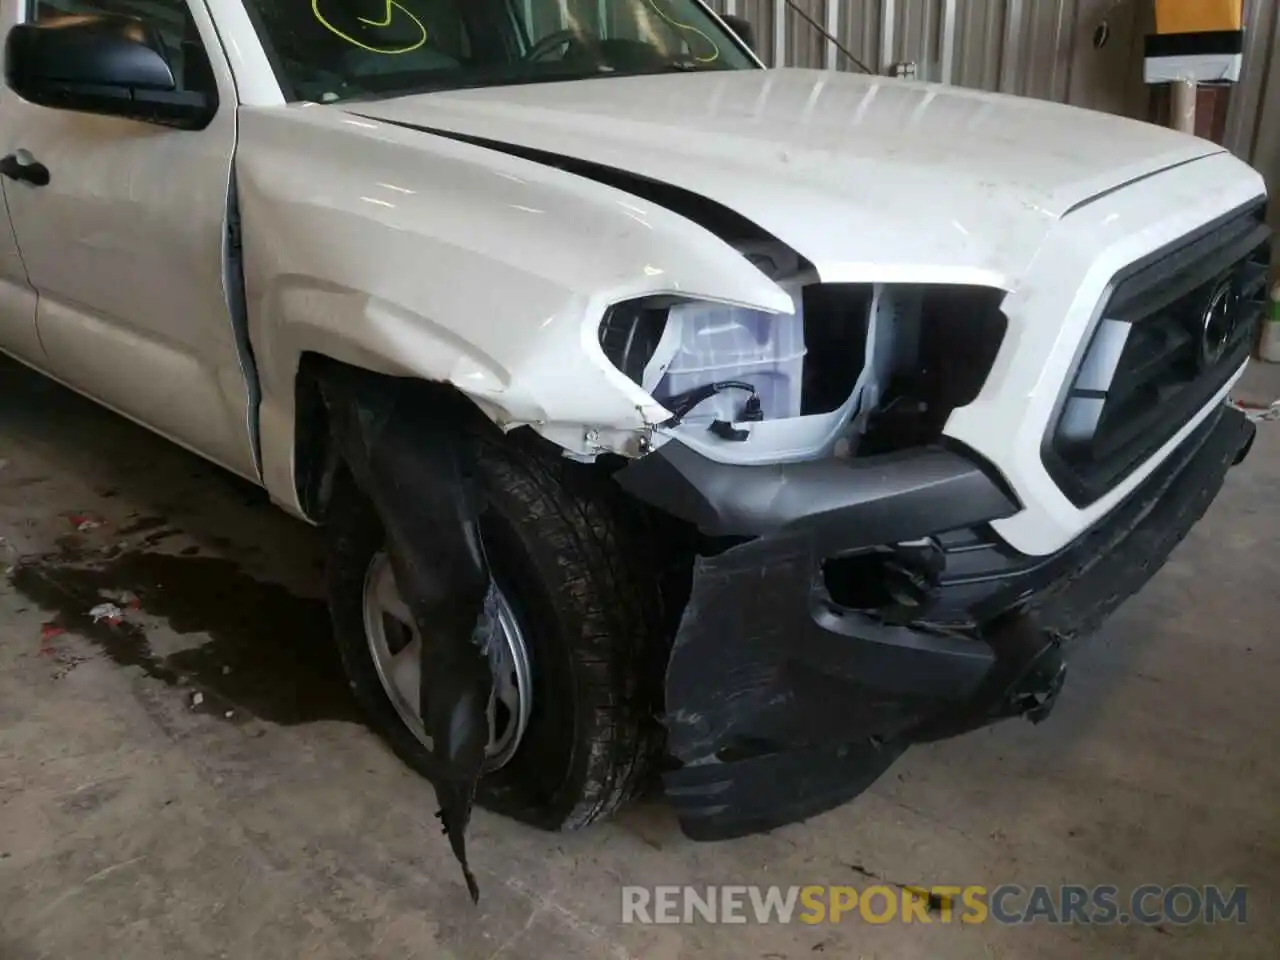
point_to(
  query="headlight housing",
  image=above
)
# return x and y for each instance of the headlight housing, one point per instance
(675, 349)
(886, 363)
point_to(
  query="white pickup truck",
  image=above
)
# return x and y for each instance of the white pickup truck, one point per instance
(669, 414)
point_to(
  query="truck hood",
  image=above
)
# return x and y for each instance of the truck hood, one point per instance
(868, 178)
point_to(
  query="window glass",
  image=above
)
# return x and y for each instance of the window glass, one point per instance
(339, 49)
(171, 20)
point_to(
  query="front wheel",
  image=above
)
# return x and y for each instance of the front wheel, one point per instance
(573, 727)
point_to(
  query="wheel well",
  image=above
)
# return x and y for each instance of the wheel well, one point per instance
(316, 457)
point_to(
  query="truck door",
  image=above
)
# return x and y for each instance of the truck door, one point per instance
(125, 242)
(17, 299)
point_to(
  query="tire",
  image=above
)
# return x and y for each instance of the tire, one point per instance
(565, 553)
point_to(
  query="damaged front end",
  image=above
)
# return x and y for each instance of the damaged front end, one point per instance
(851, 603)
(868, 605)
(849, 593)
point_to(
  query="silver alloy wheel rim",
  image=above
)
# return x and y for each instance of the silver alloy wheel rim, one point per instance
(398, 662)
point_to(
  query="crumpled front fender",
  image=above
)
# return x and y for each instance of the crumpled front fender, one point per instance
(420, 256)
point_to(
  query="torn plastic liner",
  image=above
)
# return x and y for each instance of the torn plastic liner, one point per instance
(400, 441)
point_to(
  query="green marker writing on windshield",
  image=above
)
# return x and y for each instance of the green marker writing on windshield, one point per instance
(715, 49)
(392, 6)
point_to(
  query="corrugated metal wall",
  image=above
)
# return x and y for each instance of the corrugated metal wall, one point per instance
(1085, 52)
(1253, 121)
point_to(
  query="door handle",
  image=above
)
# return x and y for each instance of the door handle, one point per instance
(34, 173)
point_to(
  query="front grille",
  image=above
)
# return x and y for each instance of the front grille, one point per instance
(1175, 328)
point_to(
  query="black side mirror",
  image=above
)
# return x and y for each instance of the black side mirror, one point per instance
(742, 27)
(102, 64)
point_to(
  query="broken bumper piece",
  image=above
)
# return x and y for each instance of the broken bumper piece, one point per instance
(868, 605)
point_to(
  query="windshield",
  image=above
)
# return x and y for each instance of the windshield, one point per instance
(327, 50)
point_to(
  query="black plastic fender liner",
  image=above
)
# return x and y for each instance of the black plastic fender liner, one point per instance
(400, 440)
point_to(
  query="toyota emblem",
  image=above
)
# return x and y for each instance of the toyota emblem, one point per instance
(1217, 324)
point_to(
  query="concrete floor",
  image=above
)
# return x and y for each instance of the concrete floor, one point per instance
(268, 822)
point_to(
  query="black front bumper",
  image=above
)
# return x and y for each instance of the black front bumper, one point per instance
(866, 605)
